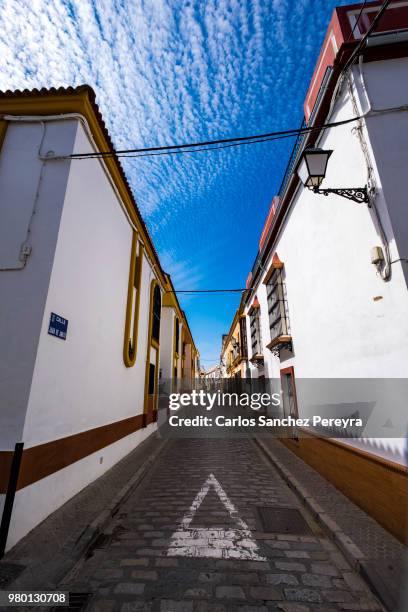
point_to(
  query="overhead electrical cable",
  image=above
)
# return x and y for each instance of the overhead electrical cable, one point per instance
(198, 150)
(207, 291)
(169, 149)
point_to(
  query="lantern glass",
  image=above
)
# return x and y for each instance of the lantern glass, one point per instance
(312, 166)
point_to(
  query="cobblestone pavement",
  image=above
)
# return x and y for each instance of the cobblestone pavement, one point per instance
(228, 561)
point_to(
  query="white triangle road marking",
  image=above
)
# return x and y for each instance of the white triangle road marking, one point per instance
(216, 543)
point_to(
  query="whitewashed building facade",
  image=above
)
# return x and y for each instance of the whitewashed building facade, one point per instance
(86, 311)
(327, 296)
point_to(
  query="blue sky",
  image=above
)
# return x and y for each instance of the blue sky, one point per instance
(173, 71)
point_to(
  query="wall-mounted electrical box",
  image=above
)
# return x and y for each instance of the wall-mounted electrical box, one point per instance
(377, 255)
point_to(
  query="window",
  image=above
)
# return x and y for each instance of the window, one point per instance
(276, 305)
(156, 314)
(152, 379)
(255, 332)
(133, 302)
(242, 326)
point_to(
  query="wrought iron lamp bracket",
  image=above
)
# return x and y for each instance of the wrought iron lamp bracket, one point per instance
(357, 194)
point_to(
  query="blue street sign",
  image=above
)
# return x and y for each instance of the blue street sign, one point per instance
(58, 326)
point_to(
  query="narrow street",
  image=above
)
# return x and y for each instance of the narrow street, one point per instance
(203, 313)
(191, 537)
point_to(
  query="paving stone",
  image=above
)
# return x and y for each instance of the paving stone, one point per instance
(129, 588)
(318, 555)
(141, 562)
(290, 566)
(160, 542)
(278, 544)
(257, 566)
(297, 554)
(229, 592)
(145, 575)
(265, 592)
(145, 527)
(166, 562)
(316, 580)
(338, 596)
(150, 552)
(245, 578)
(198, 592)
(309, 546)
(281, 579)
(130, 543)
(108, 574)
(212, 577)
(325, 569)
(307, 595)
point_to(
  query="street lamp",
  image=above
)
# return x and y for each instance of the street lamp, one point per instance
(311, 170)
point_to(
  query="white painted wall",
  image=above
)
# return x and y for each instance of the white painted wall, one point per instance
(23, 293)
(82, 383)
(338, 330)
(79, 269)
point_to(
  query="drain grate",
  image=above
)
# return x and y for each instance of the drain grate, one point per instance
(77, 601)
(283, 520)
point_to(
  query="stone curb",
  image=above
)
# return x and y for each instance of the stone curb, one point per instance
(352, 553)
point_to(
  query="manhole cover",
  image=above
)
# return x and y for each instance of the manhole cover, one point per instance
(9, 572)
(283, 520)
